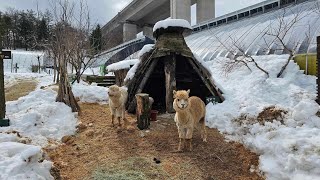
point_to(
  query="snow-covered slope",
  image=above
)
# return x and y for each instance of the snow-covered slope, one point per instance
(288, 150)
(24, 60)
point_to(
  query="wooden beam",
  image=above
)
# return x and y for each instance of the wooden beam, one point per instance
(318, 68)
(171, 84)
(2, 94)
(142, 83)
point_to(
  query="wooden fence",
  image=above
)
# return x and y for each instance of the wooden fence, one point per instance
(105, 81)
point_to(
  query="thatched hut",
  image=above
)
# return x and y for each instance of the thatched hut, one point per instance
(170, 66)
(120, 69)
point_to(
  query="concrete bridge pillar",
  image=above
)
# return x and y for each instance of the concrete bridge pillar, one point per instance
(129, 31)
(181, 9)
(205, 10)
(147, 31)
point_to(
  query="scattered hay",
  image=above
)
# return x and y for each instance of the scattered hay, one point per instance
(270, 114)
(245, 119)
(137, 168)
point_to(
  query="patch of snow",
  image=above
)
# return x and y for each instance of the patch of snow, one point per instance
(132, 72)
(289, 150)
(39, 117)
(172, 23)
(90, 93)
(125, 64)
(146, 48)
(20, 161)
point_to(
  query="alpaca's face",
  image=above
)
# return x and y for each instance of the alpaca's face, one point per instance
(181, 98)
(114, 91)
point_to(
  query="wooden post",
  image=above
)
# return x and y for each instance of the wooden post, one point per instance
(3, 122)
(16, 68)
(143, 111)
(12, 63)
(171, 84)
(39, 64)
(318, 68)
(2, 95)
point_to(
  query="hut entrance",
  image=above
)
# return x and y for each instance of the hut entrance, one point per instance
(156, 87)
(188, 78)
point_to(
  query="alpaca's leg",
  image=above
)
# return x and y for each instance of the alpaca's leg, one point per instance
(189, 137)
(189, 144)
(203, 130)
(123, 117)
(181, 144)
(112, 120)
(182, 136)
(119, 121)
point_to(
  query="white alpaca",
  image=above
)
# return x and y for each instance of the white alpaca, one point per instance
(190, 114)
(117, 100)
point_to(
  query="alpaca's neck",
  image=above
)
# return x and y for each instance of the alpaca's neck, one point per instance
(115, 99)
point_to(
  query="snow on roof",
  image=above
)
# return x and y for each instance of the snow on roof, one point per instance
(132, 72)
(146, 48)
(172, 23)
(125, 64)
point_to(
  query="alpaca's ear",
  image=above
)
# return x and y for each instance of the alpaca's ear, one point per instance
(174, 93)
(188, 91)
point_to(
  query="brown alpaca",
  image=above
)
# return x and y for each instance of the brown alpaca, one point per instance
(117, 100)
(190, 114)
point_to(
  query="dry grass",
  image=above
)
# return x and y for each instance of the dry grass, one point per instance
(100, 151)
(135, 168)
(20, 89)
(270, 114)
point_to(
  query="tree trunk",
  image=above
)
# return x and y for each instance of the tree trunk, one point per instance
(54, 69)
(2, 95)
(285, 66)
(143, 111)
(170, 75)
(65, 93)
(39, 64)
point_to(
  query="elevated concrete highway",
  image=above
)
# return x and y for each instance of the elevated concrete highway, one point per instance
(141, 15)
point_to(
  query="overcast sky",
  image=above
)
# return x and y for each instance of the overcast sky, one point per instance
(103, 10)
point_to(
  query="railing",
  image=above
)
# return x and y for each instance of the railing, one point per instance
(134, 41)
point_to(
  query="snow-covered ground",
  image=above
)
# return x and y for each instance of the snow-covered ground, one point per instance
(90, 93)
(38, 118)
(288, 150)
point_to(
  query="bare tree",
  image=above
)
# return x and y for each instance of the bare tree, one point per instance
(62, 49)
(238, 57)
(274, 37)
(280, 31)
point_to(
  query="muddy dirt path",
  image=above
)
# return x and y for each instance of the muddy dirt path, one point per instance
(100, 151)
